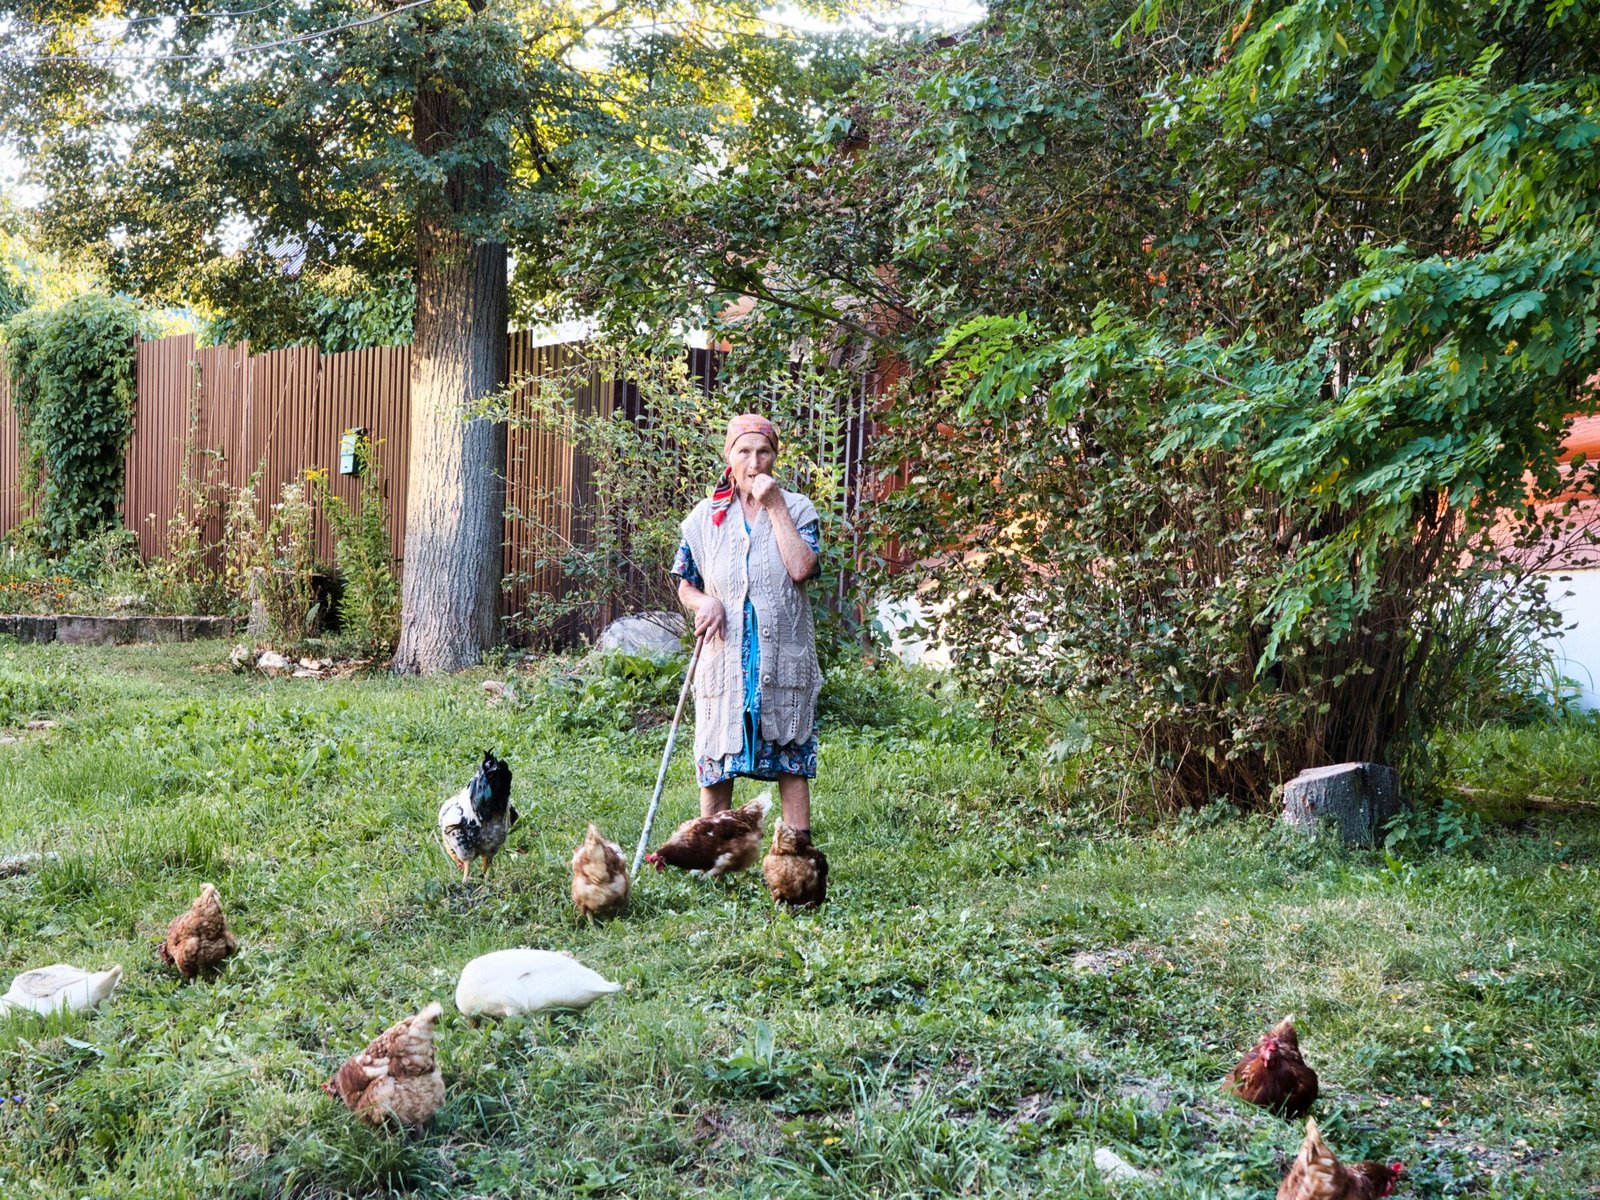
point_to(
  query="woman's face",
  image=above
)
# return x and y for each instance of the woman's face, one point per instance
(751, 455)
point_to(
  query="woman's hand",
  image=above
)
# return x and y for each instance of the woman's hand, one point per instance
(708, 618)
(764, 490)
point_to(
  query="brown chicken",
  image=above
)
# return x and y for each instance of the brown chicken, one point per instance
(1317, 1175)
(198, 940)
(796, 871)
(1273, 1075)
(600, 881)
(713, 846)
(396, 1075)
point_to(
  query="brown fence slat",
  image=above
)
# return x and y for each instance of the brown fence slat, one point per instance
(164, 375)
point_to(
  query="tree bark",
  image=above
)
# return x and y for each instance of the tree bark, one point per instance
(455, 505)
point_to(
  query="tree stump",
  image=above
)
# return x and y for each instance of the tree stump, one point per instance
(1357, 799)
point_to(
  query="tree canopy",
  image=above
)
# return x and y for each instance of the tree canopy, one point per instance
(221, 153)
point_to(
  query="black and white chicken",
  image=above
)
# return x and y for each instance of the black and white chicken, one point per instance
(475, 821)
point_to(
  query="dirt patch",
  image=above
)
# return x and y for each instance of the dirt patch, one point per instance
(1109, 959)
(715, 1132)
(21, 864)
(32, 729)
(1492, 1160)
(960, 1068)
(1031, 1109)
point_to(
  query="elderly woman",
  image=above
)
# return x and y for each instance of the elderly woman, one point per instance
(747, 553)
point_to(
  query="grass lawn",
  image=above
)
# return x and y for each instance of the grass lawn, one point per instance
(995, 988)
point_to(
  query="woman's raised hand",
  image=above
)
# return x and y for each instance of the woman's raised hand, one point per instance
(708, 618)
(764, 490)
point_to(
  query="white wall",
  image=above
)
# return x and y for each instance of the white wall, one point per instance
(1577, 651)
(901, 623)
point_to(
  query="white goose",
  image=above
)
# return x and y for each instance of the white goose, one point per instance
(57, 987)
(511, 983)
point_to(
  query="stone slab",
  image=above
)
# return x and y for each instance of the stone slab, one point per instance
(122, 631)
(29, 628)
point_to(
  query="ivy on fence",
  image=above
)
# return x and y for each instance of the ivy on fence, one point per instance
(72, 384)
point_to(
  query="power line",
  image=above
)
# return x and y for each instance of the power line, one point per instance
(298, 39)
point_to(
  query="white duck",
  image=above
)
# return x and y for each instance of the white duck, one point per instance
(511, 983)
(57, 987)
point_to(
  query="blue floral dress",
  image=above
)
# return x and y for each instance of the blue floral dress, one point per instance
(759, 758)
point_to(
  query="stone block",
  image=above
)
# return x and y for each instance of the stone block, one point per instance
(122, 631)
(28, 628)
(649, 633)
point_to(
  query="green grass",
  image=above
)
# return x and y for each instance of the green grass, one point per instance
(1558, 759)
(995, 987)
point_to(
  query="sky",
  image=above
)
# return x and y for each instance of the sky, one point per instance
(944, 14)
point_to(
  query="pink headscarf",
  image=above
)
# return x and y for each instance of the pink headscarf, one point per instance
(749, 423)
(722, 494)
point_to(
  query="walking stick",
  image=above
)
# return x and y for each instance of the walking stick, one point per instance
(666, 755)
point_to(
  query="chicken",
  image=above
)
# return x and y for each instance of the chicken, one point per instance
(475, 821)
(198, 940)
(600, 881)
(715, 845)
(513, 983)
(1273, 1075)
(796, 871)
(59, 988)
(1317, 1175)
(396, 1076)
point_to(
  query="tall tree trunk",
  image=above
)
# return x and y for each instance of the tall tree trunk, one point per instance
(455, 506)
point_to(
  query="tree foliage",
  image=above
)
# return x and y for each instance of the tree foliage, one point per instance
(1239, 345)
(336, 310)
(243, 155)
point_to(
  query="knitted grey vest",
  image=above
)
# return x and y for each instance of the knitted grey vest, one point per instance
(735, 565)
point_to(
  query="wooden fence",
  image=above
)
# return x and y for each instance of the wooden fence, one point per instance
(206, 417)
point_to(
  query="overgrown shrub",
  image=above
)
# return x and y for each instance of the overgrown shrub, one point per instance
(72, 384)
(369, 604)
(284, 584)
(1070, 560)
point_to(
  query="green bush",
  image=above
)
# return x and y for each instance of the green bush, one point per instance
(608, 693)
(72, 383)
(369, 600)
(1136, 590)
